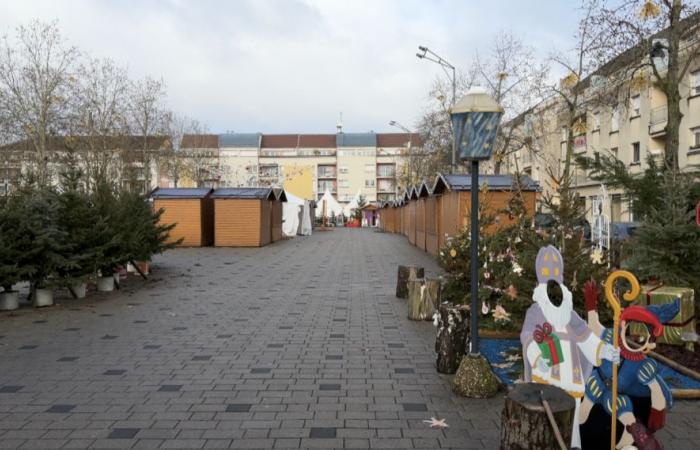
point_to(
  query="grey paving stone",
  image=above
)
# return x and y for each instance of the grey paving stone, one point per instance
(332, 294)
(123, 433)
(60, 409)
(322, 433)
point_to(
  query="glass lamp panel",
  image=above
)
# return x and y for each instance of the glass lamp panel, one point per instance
(475, 134)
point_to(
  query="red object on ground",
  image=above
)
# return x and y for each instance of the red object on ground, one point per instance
(697, 214)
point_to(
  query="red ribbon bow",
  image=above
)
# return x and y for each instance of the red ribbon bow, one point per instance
(542, 332)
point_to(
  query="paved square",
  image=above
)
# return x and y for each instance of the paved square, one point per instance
(300, 344)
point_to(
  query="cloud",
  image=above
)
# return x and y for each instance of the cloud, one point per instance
(292, 65)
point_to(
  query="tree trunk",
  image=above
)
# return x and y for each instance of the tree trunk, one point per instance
(452, 335)
(407, 273)
(524, 422)
(423, 298)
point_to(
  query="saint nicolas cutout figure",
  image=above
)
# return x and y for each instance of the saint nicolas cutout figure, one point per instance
(558, 347)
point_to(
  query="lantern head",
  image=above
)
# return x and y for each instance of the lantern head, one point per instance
(475, 120)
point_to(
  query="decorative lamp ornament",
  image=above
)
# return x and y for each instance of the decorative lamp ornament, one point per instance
(475, 120)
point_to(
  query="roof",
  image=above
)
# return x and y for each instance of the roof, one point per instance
(61, 143)
(463, 182)
(317, 140)
(239, 140)
(280, 195)
(249, 193)
(413, 193)
(356, 140)
(423, 190)
(180, 192)
(280, 141)
(200, 141)
(399, 139)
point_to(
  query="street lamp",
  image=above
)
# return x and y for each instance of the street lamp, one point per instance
(427, 54)
(475, 120)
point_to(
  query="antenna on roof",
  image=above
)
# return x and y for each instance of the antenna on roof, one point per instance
(339, 125)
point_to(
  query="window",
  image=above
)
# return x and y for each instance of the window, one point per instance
(344, 184)
(695, 141)
(695, 83)
(369, 183)
(369, 168)
(615, 121)
(635, 153)
(635, 106)
(343, 170)
(386, 170)
(614, 152)
(596, 121)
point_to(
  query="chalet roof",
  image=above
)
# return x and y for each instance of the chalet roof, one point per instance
(398, 139)
(239, 140)
(463, 182)
(200, 141)
(245, 193)
(280, 195)
(180, 192)
(413, 193)
(423, 190)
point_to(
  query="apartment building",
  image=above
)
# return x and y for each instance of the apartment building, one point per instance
(632, 129)
(129, 160)
(308, 165)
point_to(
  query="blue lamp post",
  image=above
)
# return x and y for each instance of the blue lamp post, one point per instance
(475, 120)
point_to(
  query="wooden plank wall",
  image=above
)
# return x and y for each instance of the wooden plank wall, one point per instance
(431, 225)
(265, 225)
(276, 220)
(186, 214)
(420, 223)
(238, 223)
(412, 222)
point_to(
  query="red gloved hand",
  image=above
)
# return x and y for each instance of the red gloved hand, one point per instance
(591, 294)
(657, 419)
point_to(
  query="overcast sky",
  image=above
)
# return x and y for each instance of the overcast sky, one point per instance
(284, 66)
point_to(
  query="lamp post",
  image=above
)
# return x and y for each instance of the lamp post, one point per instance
(427, 54)
(475, 120)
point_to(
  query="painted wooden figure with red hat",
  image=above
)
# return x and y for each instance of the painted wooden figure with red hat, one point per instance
(637, 376)
(558, 347)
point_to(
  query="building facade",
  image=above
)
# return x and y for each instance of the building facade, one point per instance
(632, 128)
(308, 165)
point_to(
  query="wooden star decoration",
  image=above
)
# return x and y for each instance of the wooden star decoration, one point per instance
(436, 423)
(597, 256)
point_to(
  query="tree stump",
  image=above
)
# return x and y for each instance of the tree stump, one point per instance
(423, 298)
(407, 273)
(451, 340)
(524, 422)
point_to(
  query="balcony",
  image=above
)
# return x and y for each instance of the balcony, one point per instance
(327, 172)
(386, 172)
(657, 121)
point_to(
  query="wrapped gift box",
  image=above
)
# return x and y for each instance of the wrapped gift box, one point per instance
(551, 350)
(683, 322)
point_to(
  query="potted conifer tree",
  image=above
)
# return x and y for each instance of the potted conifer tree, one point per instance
(78, 218)
(108, 236)
(46, 255)
(12, 243)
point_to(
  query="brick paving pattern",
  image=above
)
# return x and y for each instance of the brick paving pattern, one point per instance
(300, 344)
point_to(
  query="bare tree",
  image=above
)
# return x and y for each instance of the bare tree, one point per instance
(36, 79)
(650, 40)
(102, 117)
(515, 78)
(146, 113)
(435, 128)
(200, 153)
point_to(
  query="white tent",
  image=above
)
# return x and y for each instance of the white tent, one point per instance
(290, 214)
(331, 205)
(353, 203)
